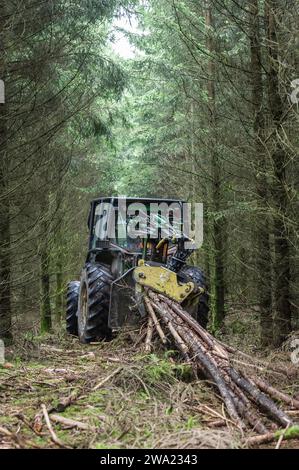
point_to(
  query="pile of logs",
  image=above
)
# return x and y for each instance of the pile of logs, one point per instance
(250, 401)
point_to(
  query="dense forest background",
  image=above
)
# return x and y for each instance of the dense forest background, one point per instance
(206, 109)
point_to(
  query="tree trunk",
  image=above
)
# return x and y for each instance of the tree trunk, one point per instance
(45, 302)
(5, 293)
(217, 226)
(207, 237)
(263, 223)
(59, 253)
(279, 156)
(59, 290)
(5, 306)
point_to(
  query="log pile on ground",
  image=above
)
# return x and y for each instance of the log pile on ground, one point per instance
(249, 400)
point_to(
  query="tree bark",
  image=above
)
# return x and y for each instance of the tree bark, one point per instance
(59, 259)
(45, 301)
(59, 291)
(5, 292)
(263, 222)
(279, 156)
(46, 317)
(217, 226)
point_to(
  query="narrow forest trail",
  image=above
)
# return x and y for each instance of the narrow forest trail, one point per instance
(110, 395)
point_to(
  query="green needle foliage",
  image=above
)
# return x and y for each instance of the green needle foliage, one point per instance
(201, 111)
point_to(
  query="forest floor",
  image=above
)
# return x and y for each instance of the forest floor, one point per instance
(112, 395)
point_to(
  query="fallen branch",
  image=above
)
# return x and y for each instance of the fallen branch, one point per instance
(54, 438)
(106, 379)
(281, 438)
(36, 427)
(6, 432)
(19, 441)
(71, 423)
(290, 433)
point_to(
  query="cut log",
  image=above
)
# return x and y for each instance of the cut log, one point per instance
(290, 433)
(149, 335)
(249, 401)
(155, 320)
(274, 393)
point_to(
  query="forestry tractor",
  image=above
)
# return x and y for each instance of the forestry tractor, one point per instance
(134, 245)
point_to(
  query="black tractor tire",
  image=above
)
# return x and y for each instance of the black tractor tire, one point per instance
(72, 298)
(94, 300)
(197, 276)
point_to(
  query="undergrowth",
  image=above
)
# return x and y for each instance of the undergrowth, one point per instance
(151, 401)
